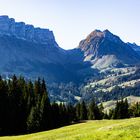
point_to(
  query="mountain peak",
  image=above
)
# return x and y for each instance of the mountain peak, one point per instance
(103, 46)
(110, 36)
(8, 26)
(93, 34)
(103, 34)
(107, 33)
(98, 33)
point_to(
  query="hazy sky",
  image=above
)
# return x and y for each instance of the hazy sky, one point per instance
(72, 20)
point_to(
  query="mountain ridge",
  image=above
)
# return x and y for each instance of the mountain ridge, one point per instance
(100, 56)
(99, 45)
(8, 26)
(100, 50)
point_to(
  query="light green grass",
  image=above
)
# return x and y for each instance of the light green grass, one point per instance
(128, 129)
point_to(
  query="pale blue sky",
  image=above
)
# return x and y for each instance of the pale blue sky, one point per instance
(72, 20)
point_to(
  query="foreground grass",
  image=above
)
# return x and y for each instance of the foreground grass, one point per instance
(127, 129)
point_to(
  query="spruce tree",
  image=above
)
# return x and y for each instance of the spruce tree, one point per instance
(93, 111)
(83, 111)
(121, 110)
(77, 107)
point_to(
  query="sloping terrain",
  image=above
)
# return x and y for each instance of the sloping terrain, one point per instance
(112, 103)
(114, 84)
(127, 129)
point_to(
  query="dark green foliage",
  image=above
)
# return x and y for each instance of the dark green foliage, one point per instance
(93, 112)
(77, 107)
(83, 111)
(25, 107)
(121, 110)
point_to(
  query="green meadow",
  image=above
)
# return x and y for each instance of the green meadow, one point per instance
(127, 129)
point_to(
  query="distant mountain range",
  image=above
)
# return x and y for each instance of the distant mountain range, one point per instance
(32, 52)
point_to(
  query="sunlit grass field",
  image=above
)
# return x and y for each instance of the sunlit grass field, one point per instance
(127, 129)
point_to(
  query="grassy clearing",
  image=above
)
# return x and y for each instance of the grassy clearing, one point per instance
(128, 129)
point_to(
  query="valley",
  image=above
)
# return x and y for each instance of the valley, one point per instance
(101, 65)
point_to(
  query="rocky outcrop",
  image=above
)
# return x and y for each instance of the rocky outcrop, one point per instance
(104, 49)
(8, 26)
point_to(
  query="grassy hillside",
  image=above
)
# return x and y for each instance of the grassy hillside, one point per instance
(127, 129)
(111, 104)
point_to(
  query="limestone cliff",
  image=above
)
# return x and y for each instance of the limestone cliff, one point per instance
(8, 26)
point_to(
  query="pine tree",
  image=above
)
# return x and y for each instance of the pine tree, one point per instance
(93, 111)
(83, 111)
(121, 110)
(77, 107)
(126, 109)
(33, 120)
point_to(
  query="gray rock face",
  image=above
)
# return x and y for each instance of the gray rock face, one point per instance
(29, 32)
(20, 29)
(103, 50)
(8, 26)
(4, 24)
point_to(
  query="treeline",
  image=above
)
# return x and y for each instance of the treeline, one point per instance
(25, 108)
(123, 110)
(89, 111)
(92, 111)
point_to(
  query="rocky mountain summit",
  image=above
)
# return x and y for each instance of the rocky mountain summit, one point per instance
(103, 50)
(8, 26)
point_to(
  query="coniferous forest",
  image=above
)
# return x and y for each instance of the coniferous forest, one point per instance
(25, 108)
